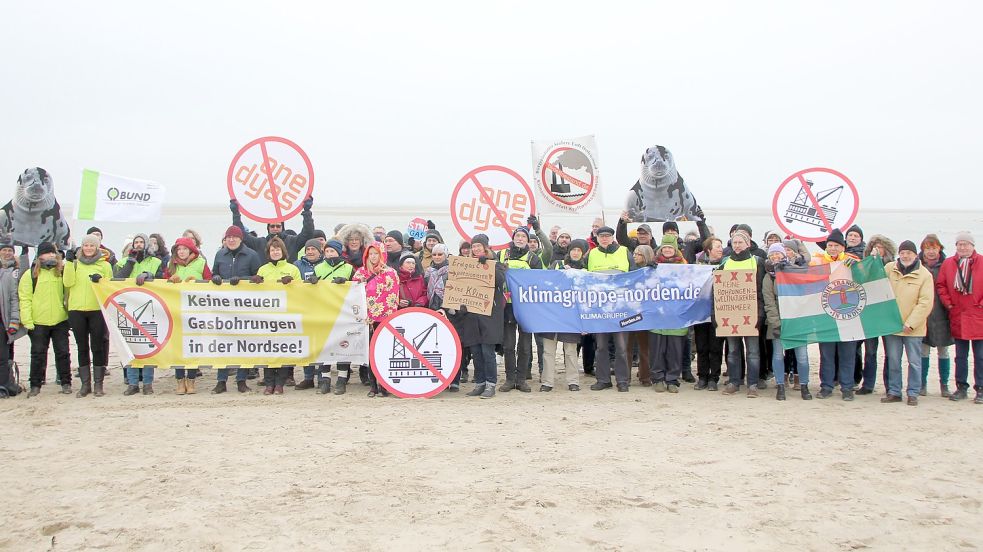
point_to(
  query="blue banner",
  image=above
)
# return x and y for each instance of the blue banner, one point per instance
(666, 297)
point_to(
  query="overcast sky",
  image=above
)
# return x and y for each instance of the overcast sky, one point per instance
(394, 102)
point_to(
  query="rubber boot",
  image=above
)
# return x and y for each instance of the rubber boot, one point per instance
(945, 365)
(98, 375)
(85, 374)
(925, 363)
(340, 386)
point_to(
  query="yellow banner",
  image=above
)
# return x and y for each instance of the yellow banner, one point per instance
(164, 325)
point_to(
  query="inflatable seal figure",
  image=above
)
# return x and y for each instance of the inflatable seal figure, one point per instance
(33, 216)
(660, 193)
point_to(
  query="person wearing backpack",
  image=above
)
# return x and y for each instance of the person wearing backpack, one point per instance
(42, 312)
(9, 319)
(84, 315)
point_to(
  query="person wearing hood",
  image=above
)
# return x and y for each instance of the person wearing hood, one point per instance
(576, 251)
(481, 334)
(139, 264)
(560, 248)
(777, 261)
(518, 343)
(837, 361)
(277, 269)
(186, 264)
(9, 315)
(937, 332)
(689, 249)
(412, 287)
(610, 258)
(381, 300)
(41, 293)
(865, 371)
(709, 347)
(753, 248)
(84, 314)
(111, 255)
(277, 229)
(355, 237)
(667, 346)
(233, 262)
(644, 256)
(746, 348)
(395, 248)
(912, 285)
(321, 239)
(960, 288)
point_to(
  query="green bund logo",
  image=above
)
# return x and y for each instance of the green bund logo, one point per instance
(133, 197)
(112, 194)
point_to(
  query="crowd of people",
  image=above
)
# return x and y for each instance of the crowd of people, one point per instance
(940, 300)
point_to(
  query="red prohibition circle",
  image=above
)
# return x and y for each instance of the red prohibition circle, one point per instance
(546, 190)
(388, 321)
(471, 176)
(262, 143)
(849, 184)
(111, 302)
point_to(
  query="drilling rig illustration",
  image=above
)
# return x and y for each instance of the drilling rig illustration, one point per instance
(403, 365)
(802, 210)
(130, 332)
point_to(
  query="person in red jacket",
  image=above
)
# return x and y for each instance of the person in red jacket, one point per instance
(412, 286)
(960, 289)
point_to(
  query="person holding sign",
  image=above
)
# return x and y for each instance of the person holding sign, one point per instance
(483, 333)
(747, 347)
(573, 261)
(518, 351)
(836, 360)
(277, 230)
(610, 258)
(186, 265)
(667, 347)
(278, 269)
(777, 260)
(381, 300)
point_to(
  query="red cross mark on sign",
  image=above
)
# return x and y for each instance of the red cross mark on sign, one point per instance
(718, 278)
(734, 329)
(143, 321)
(726, 321)
(810, 203)
(749, 277)
(733, 276)
(415, 353)
(747, 320)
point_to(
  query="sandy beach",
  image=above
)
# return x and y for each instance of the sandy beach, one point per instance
(587, 470)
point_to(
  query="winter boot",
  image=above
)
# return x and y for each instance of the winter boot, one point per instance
(131, 390)
(189, 386)
(66, 389)
(181, 387)
(796, 386)
(243, 388)
(305, 384)
(98, 375)
(806, 395)
(477, 391)
(363, 374)
(489, 392)
(325, 386)
(523, 386)
(944, 368)
(925, 362)
(220, 387)
(148, 389)
(278, 390)
(85, 374)
(340, 385)
(780, 393)
(701, 384)
(507, 385)
(35, 391)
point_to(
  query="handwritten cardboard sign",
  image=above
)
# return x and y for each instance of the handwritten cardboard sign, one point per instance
(471, 284)
(735, 302)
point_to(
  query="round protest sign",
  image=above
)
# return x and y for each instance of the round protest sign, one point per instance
(417, 228)
(812, 202)
(270, 177)
(415, 353)
(566, 176)
(491, 200)
(142, 318)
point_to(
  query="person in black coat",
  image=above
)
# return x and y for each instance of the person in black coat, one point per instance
(294, 242)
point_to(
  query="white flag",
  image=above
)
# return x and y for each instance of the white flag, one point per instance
(108, 197)
(566, 176)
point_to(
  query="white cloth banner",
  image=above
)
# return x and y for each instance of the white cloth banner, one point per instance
(108, 197)
(566, 175)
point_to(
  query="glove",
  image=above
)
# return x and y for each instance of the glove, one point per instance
(699, 212)
(70, 255)
(95, 278)
(174, 279)
(312, 278)
(286, 279)
(234, 280)
(216, 279)
(141, 278)
(256, 279)
(12, 328)
(533, 221)
(431, 225)
(482, 259)
(338, 280)
(234, 206)
(308, 203)
(131, 259)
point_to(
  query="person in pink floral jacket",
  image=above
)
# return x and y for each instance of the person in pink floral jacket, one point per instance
(381, 295)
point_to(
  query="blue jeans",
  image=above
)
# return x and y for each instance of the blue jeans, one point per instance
(778, 362)
(222, 374)
(309, 371)
(912, 345)
(485, 371)
(133, 376)
(828, 369)
(735, 351)
(962, 363)
(181, 373)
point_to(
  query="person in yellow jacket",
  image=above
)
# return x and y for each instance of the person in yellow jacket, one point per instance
(84, 315)
(610, 258)
(42, 312)
(914, 290)
(278, 269)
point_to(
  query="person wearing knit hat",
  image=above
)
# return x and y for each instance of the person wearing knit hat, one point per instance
(670, 227)
(483, 240)
(42, 312)
(517, 343)
(912, 285)
(960, 289)
(482, 334)
(609, 257)
(938, 334)
(667, 347)
(574, 260)
(139, 264)
(393, 243)
(746, 349)
(84, 313)
(561, 246)
(432, 239)
(777, 248)
(278, 229)
(313, 256)
(778, 259)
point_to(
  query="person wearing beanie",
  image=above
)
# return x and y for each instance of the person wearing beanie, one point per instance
(912, 285)
(233, 262)
(854, 239)
(432, 238)
(960, 288)
(517, 343)
(709, 347)
(313, 255)
(574, 260)
(561, 246)
(381, 300)
(84, 314)
(412, 287)
(541, 247)
(746, 349)
(834, 249)
(753, 248)
(321, 239)
(395, 248)
(277, 229)
(10, 322)
(938, 334)
(795, 252)
(435, 278)
(667, 347)
(186, 264)
(609, 257)
(41, 293)
(778, 260)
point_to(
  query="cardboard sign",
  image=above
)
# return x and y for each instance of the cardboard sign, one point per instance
(270, 177)
(471, 284)
(491, 200)
(415, 353)
(812, 202)
(735, 302)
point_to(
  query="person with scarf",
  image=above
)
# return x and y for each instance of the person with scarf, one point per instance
(610, 258)
(139, 264)
(84, 314)
(865, 371)
(9, 315)
(746, 348)
(435, 277)
(277, 229)
(481, 334)
(667, 347)
(412, 286)
(560, 248)
(41, 293)
(709, 347)
(355, 237)
(778, 261)
(518, 343)
(186, 264)
(938, 335)
(912, 285)
(395, 248)
(277, 269)
(837, 361)
(157, 246)
(111, 259)
(540, 245)
(431, 240)
(960, 288)
(309, 263)
(855, 244)
(381, 300)
(576, 250)
(644, 256)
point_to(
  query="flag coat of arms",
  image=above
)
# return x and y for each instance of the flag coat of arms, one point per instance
(834, 302)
